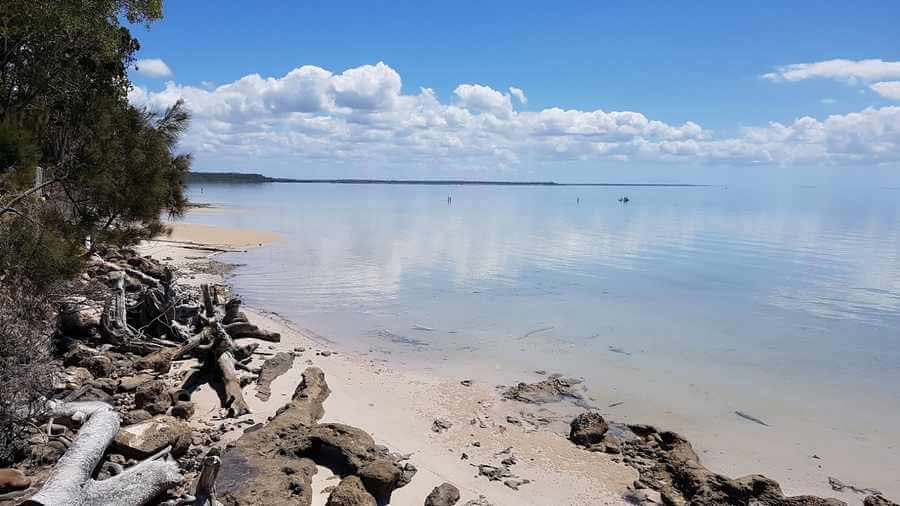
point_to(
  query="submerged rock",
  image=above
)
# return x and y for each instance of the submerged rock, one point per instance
(552, 389)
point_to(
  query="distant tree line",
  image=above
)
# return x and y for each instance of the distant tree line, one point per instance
(80, 167)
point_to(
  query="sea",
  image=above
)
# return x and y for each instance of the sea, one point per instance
(679, 307)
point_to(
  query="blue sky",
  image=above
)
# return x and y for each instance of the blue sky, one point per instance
(697, 63)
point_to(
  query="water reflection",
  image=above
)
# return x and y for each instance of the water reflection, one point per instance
(675, 269)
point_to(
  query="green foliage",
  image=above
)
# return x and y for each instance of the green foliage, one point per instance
(17, 150)
(63, 106)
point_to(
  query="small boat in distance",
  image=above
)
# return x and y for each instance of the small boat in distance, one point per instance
(624, 199)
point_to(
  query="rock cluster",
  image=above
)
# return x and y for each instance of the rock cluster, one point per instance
(668, 464)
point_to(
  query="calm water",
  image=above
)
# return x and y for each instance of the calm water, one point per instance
(786, 302)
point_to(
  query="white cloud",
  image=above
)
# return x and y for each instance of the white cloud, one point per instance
(361, 116)
(887, 89)
(519, 94)
(153, 67)
(850, 71)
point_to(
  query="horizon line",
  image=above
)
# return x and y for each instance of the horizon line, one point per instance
(243, 177)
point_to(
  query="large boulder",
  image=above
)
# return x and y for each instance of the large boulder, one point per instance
(443, 495)
(143, 439)
(588, 429)
(350, 492)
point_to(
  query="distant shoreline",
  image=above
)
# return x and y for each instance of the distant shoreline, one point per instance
(240, 178)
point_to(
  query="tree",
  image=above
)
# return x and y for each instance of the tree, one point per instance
(109, 170)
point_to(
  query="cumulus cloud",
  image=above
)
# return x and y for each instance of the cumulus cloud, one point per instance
(519, 94)
(850, 71)
(887, 89)
(362, 115)
(153, 67)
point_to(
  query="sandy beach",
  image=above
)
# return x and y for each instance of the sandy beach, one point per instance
(399, 407)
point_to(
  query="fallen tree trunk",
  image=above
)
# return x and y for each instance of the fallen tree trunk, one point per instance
(147, 280)
(223, 351)
(71, 483)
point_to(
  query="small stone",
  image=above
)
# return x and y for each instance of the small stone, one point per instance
(440, 425)
(465, 383)
(443, 495)
(183, 410)
(588, 429)
(516, 483)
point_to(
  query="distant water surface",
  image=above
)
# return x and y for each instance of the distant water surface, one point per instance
(694, 302)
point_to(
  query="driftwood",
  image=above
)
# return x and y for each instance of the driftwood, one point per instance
(242, 330)
(113, 324)
(71, 483)
(144, 278)
(206, 484)
(223, 351)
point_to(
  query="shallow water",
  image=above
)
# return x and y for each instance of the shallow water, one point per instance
(688, 304)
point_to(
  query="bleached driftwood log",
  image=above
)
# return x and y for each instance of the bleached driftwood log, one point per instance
(144, 278)
(223, 352)
(71, 483)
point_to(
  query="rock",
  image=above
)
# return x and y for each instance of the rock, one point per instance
(588, 429)
(440, 425)
(159, 362)
(13, 479)
(136, 416)
(381, 477)
(131, 383)
(153, 396)
(77, 376)
(667, 463)
(443, 495)
(465, 383)
(100, 366)
(108, 385)
(350, 492)
(251, 472)
(516, 483)
(76, 319)
(143, 439)
(271, 369)
(183, 410)
(481, 501)
(513, 420)
(877, 500)
(553, 389)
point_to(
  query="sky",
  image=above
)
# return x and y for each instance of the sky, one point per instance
(695, 92)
